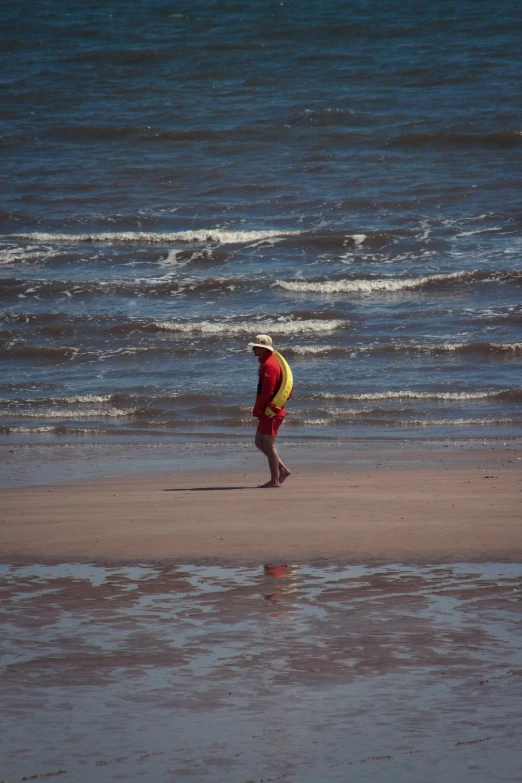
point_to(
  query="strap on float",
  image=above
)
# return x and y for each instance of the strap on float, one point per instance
(274, 409)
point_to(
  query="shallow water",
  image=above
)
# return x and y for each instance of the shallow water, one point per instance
(310, 673)
(26, 464)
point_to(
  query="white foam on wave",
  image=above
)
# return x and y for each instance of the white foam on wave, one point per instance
(252, 327)
(368, 286)
(85, 398)
(66, 414)
(342, 412)
(125, 351)
(411, 395)
(446, 347)
(455, 422)
(455, 347)
(49, 429)
(76, 398)
(478, 231)
(16, 255)
(172, 258)
(222, 235)
(312, 350)
(470, 219)
(487, 313)
(508, 347)
(458, 422)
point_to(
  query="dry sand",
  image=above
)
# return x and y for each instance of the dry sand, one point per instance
(457, 507)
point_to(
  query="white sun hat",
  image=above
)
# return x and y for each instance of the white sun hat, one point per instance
(262, 341)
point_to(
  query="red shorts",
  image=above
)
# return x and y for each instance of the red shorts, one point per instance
(269, 426)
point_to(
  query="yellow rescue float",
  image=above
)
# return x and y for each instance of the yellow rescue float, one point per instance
(285, 390)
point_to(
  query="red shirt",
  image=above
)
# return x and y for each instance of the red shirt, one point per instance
(270, 377)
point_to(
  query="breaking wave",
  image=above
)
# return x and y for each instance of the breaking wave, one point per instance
(98, 413)
(18, 255)
(389, 423)
(484, 348)
(505, 394)
(220, 235)
(391, 285)
(313, 350)
(116, 399)
(287, 328)
(63, 429)
(208, 330)
(477, 422)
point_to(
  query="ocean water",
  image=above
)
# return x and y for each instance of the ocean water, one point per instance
(179, 177)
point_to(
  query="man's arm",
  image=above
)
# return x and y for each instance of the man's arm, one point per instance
(269, 378)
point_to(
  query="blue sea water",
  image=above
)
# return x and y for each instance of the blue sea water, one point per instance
(178, 177)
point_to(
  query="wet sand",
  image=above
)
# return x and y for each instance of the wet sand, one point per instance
(362, 622)
(396, 505)
(275, 673)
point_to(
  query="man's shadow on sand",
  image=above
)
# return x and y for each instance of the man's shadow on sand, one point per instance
(206, 489)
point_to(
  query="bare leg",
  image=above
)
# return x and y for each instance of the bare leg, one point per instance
(260, 443)
(263, 444)
(278, 470)
(284, 472)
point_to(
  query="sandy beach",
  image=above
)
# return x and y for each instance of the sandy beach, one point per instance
(179, 179)
(394, 506)
(186, 625)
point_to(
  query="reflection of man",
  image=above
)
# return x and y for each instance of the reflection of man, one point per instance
(270, 377)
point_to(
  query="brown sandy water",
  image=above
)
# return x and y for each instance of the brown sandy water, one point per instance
(283, 673)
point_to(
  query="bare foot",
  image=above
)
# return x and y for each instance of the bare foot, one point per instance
(283, 474)
(269, 485)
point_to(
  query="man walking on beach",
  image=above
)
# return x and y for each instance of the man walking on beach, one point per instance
(270, 377)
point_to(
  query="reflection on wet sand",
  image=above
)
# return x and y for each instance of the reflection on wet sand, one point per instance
(280, 571)
(290, 673)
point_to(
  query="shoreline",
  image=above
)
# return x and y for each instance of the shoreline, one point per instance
(403, 504)
(37, 463)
